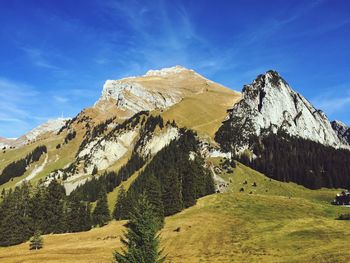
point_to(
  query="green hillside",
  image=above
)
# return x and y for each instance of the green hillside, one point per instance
(272, 222)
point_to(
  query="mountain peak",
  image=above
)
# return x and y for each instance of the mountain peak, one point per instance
(157, 89)
(164, 72)
(271, 78)
(269, 104)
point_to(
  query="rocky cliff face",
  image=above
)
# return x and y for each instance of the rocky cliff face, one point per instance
(269, 104)
(342, 130)
(143, 135)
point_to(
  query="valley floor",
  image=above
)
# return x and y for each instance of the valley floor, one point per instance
(272, 222)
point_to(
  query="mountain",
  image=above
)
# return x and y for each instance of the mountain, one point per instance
(51, 126)
(167, 134)
(5, 142)
(342, 130)
(270, 105)
(156, 90)
(105, 136)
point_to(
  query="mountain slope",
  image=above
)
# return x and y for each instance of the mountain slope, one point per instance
(286, 223)
(177, 94)
(269, 105)
(5, 143)
(342, 130)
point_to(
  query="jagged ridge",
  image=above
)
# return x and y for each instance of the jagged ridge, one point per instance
(269, 104)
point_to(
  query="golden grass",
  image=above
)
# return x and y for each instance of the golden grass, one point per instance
(203, 112)
(286, 224)
(58, 158)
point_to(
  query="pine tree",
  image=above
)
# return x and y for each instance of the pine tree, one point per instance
(94, 170)
(101, 215)
(171, 194)
(154, 196)
(78, 215)
(36, 242)
(141, 240)
(121, 209)
(54, 203)
(15, 221)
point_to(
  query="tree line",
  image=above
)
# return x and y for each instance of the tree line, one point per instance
(172, 181)
(19, 167)
(91, 190)
(46, 209)
(288, 158)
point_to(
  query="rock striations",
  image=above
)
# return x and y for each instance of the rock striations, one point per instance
(269, 104)
(342, 130)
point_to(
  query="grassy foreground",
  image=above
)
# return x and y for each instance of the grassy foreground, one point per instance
(272, 222)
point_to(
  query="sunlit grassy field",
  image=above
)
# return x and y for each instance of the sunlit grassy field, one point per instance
(204, 112)
(276, 222)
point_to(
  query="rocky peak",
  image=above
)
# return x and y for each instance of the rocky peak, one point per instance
(269, 104)
(157, 89)
(342, 130)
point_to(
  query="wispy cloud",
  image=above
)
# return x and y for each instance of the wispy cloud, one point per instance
(334, 102)
(60, 99)
(160, 34)
(38, 58)
(16, 100)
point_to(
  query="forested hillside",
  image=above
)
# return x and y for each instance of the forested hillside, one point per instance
(291, 159)
(173, 180)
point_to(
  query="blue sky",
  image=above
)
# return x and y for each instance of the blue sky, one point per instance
(56, 55)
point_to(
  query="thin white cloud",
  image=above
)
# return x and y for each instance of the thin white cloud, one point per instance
(60, 99)
(332, 103)
(38, 58)
(16, 101)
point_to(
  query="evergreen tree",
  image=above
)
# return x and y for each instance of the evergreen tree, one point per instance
(36, 242)
(15, 220)
(100, 215)
(94, 170)
(172, 194)
(38, 209)
(154, 196)
(121, 208)
(78, 215)
(141, 240)
(54, 203)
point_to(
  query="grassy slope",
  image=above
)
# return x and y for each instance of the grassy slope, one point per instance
(204, 112)
(66, 153)
(288, 223)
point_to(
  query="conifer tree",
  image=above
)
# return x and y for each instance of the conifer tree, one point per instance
(141, 240)
(121, 208)
(154, 196)
(54, 202)
(171, 194)
(78, 215)
(36, 242)
(101, 215)
(15, 221)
